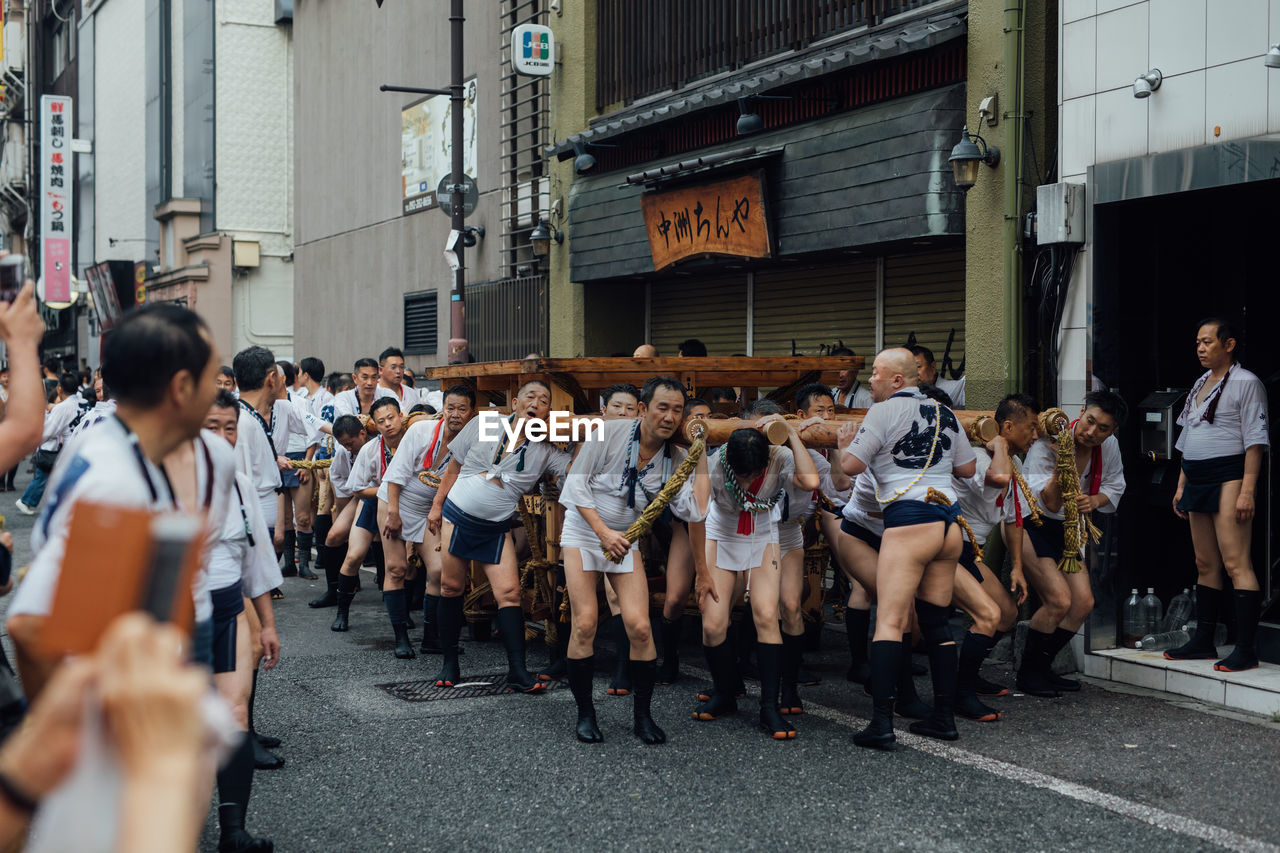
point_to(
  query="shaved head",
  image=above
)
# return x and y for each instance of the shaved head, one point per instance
(893, 370)
(645, 351)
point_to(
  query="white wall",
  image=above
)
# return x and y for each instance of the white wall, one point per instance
(1215, 89)
(254, 96)
(120, 126)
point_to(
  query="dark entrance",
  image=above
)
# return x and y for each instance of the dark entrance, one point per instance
(1161, 263)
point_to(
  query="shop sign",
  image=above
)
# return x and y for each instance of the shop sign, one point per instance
(724, 218)
(533, 50)
(57, 177)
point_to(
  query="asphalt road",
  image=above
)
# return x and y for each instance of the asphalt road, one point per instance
(1106, 769)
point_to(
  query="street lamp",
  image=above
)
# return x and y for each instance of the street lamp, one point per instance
(541, 236)
(971, 150)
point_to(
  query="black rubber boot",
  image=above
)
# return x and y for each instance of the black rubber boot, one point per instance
(511, 624)
(449, 627)
(289, 568)
(908, 703)
(620, 684)
(745, 643)
(669, 634)
(720, 701)
(397, 610)
(416, 590)
(643, 675)
(886, 664)
(1201, 646)
(346, 594)
(1248, 604)
(1057, 642)
(234, 838)
(792, 647)
(856, 624)
(769, 660)
(1032, 677)
(580, 673)
(328, 562)
(430, 635)
(941, 724)
(304, 543)
(973, 652)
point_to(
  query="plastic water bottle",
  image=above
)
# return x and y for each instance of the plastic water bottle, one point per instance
(1164, 640)
(1134, 626)
(1152, 612)
(1179, 613)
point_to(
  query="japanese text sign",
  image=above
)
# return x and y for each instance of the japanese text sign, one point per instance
(57, 179)
(722, 218)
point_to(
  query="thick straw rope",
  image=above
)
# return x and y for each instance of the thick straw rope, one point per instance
(666, 495)
(1076, 526)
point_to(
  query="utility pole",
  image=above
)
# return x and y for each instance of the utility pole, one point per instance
(458, 349)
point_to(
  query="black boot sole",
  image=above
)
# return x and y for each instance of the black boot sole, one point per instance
(1037, 690)
(883, 741)
(928, 728)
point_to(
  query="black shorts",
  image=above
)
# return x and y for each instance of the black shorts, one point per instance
(368, 517)
(857, 531)
(1047, 539)
(969, 560)
(289, 479)
(228, 604)
(1203, 489)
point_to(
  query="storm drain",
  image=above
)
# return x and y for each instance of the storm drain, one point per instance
(473, 687)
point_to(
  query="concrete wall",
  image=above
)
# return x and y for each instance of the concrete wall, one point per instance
(119, 134)
(254, 143)
(355, 253)
(1215, 89)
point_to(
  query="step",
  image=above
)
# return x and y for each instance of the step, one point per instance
(1256, 691)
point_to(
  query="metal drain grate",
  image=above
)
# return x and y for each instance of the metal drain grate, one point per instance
(474, 686)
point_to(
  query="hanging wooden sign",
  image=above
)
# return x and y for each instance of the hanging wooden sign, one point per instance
(722, 218)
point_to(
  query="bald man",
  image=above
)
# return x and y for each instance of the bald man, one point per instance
(645, 351)
(912, 446)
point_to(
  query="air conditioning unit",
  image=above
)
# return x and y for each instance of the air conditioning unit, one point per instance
(1060, 214)
(15, 47)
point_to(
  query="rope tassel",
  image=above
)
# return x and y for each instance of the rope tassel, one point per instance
(934, 496)
(1076, 525)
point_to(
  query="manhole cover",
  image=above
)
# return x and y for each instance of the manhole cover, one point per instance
(473, 687)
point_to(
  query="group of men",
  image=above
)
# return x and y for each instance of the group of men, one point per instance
(415, 485)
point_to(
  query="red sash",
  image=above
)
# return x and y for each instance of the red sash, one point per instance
(746, 523)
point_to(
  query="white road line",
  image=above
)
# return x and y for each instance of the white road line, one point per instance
(1158, 818)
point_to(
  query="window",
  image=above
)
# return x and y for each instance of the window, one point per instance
(420, 322)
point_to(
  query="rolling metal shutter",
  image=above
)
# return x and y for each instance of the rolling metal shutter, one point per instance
(711, 309)
(924, 294)
(808, 311)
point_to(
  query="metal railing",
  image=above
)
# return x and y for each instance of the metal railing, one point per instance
(648, 46)
(507, 319)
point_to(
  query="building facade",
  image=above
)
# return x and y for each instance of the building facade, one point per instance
(1169, 123)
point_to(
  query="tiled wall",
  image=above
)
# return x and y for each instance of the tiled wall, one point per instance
(1210, 53)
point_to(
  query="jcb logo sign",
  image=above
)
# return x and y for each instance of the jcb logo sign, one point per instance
(533, 49)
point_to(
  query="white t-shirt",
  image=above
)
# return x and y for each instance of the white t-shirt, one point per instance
(340, 471)
(862, 503)
(232, 558)
(596, 481)
(1239, 421)
(320, 405)
(101, 410)
(857, 397)
(978, 500)
(106, 467)
(954, 389)
(57, 421)
(1015, 500)
(369, 466)
(722, 515)
(491, 490)
(416, 496)
(407, 396)
(347, 403)
(1041, 467)
(895, 439)
(256, 459)
(837, 497)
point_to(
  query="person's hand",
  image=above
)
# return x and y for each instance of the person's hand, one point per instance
(284, 463)
(808, 422)
(703, 586)
(394, 525)
(994, 444)
(20, 321)
(278, 539)
(1177, 499)
(433, 520)
(6, 539)
(270, 647)
(1018, 584)
(151, 698)
(845, 434)
(617, 544)
(1085, 503)
(1244, 507)
(304, 476)
(44, 748)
